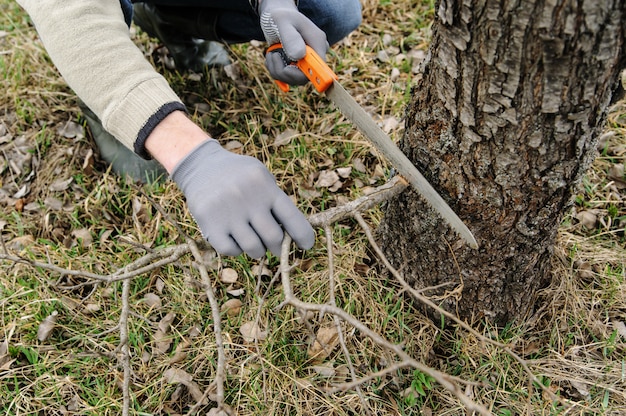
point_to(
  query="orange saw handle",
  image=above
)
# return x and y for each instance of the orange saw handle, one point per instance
(313, 67)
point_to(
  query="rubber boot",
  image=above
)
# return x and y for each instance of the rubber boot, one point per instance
(188, 34)
(123, 161)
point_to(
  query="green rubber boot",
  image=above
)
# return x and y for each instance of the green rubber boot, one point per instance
(188, 34)
(123, 161)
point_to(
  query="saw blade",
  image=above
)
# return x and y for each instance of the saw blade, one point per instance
(383, 143)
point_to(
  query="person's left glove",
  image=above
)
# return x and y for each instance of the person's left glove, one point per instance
(281, 22)
(237, 204)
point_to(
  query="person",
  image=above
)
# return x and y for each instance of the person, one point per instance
(233, 198)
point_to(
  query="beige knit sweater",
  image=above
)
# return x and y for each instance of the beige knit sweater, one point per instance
(89, 43)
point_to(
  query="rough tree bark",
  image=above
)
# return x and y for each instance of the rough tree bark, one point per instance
(503, 123)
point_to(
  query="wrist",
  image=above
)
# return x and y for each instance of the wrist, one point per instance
(173, 138)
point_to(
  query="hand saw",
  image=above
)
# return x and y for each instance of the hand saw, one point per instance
(325, 81)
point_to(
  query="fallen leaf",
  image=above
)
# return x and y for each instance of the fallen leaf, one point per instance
(179, 353)
(21, 242)
(60, 184)
(22, 192)
(152, 300)
(620, 327)
(84, 236)
(46, 326)
(91, 308)
(166, 322)
(587, 218)
(71, 130)
(251, 332)
(229, 275)
(232, 307)
(162, 342)
(53, 203)
(344, 172)
(325, 341)
(324, 370)
(326, 179)
(581, 388)
(261, 270)
(285, 137)
(235, 292)
(178, 376)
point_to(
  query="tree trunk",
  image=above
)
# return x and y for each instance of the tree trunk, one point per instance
(503, 123)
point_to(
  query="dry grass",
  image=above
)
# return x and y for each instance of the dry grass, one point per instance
(575, 342)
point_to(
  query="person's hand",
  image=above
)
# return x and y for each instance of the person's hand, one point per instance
(237, 204)
(283, 23)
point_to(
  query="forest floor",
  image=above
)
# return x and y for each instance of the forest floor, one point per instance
(62, 206)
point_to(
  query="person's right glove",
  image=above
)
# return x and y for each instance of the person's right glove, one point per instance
(282, 22)
(237, 204)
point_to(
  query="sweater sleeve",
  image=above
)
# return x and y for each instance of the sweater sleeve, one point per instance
(89, 42)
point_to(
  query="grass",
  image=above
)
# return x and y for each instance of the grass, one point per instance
(573, 342)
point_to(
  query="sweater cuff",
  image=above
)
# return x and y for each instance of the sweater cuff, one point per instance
(151, 123)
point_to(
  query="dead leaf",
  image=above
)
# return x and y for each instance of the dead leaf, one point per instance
(91, 308)
(326, 179)
(620, 327)
(229, 276)
(235, 292)
(261, 270)
(60, 185)
(84, 236)
(325, 341)
(179, 353)
(21, 242)
(71, 130)
(232, 307)
(53, 203)
(178, 376)
(587, 218)
(166, 322)
(581, 388)
(22, 192)
(251, 332)
(162, 342)
(152, 300)
(46, 326)
(324, 370)
(390, 123)
(285, 137)
(344, 172)
(234, 146)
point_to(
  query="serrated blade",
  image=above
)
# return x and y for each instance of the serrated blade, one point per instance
(383, 143)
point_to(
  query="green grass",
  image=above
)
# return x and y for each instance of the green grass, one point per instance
(572, 337)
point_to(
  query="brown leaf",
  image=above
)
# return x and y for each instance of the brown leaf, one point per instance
(162, 342)
(166, 322)
(327, 179)
(232, 307)
(21, 242)
(325, 341)
(84, 236)
(152, 300)
(46, 326)
(60, 184)
(620, 327)
(285, 137)
(179, 376)
(71, 130)
(587, 218)
(251, 332)
(229, 275)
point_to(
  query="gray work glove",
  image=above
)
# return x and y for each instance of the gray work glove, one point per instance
(237, 204)
(283, 23)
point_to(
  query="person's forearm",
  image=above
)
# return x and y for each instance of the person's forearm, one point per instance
(89, 42)
(173, 138)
